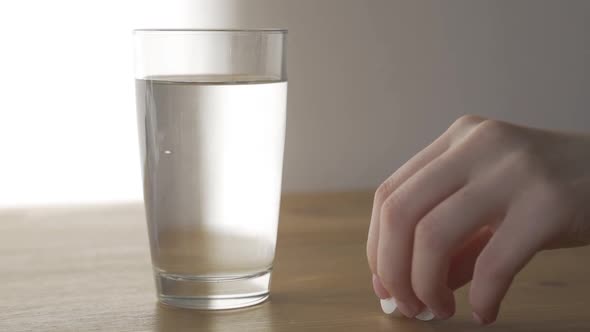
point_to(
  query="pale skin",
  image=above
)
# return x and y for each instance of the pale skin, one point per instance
(476, 205)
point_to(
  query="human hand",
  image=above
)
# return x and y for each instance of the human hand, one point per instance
(476, 205)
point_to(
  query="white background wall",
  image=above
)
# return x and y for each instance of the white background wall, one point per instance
(67, 103)
(371, 82)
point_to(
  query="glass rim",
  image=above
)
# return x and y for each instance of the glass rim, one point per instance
(264, 30)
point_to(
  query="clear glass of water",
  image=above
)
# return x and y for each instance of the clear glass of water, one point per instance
(212, 109)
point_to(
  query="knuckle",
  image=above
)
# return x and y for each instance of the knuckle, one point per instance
(394, 209)
(498, 132)
(467, 120)
(382, 192)
(462, 127)
(493, 131)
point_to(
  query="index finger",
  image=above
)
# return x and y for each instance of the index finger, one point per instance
(416, 163)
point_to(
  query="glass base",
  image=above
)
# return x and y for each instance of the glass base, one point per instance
(212, 293)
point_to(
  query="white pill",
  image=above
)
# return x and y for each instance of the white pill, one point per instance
(425, 315)
(388, 305)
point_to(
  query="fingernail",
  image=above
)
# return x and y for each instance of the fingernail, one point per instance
(425, 315)
(388, 305)
(478, 319)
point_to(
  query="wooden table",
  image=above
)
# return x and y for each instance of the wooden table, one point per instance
(88, 269)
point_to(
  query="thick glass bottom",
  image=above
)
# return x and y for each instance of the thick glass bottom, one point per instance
(212, 293)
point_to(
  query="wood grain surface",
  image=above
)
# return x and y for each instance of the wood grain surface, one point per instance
(88, 269)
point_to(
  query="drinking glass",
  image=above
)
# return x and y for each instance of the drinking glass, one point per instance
(211, 106)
